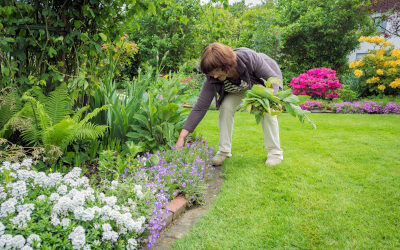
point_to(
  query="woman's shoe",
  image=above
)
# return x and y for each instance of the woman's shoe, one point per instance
(219, 158)
(271, 161)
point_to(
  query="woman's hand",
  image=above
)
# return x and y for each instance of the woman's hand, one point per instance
(181, 140)
(179, 143)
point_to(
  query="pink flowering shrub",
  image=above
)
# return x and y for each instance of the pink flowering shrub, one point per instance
(319, 83)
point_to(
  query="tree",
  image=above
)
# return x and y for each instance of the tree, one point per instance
(321, 33)
(259, 30)
(169, 28)
(46, 42)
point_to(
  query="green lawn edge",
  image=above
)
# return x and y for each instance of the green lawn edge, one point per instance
(338, 186)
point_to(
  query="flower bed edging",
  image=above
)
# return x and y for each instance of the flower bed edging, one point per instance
(180, 227)
(322, 111)
(174, 210)
(177, 206)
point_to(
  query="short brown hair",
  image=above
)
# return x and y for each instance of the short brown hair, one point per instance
(217, 56)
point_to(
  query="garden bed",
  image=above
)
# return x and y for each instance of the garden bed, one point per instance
(53, 210)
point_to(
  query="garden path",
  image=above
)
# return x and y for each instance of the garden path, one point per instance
(187, 220)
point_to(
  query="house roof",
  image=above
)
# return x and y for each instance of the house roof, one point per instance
(385, 5)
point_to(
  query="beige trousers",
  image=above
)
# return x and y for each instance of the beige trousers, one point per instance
(269, 126)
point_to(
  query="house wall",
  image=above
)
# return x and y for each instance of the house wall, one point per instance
(364, 47)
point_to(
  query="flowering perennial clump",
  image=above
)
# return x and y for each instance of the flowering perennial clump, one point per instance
(186, 80)
(178, 171)
(380, 69)
(319, 83)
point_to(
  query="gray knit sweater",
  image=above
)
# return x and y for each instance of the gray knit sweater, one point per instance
(251, 66)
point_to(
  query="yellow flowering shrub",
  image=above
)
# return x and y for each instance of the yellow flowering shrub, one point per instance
(379, 70)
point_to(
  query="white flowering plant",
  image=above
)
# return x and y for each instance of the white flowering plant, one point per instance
(39, 210)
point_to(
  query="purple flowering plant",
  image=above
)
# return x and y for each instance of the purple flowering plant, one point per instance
(359, 107)
(168, 174)
(367, 107)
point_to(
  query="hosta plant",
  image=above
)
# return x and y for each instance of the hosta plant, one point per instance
(156, 125)
(260, 101)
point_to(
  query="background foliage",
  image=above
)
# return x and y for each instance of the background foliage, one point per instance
(316, 35)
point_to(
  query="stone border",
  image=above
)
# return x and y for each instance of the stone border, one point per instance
(181, 218)
(322, 111)
(174, 209)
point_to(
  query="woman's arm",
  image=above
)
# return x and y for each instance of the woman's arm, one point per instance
(207, 93)
(265, 67)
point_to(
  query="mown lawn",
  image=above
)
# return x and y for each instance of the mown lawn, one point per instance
(338, 186)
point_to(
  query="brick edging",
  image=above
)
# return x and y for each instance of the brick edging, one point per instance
(175, 209)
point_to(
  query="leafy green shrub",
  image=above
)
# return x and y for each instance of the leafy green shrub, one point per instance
(168, 28)
(353, 83)
(52, 40)
(158, 122)
(347, 95)
(259, 31)
(314, 34)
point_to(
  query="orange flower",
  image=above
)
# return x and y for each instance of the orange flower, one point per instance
(105, 46)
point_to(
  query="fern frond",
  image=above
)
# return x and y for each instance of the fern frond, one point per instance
(78, 114)
(12, 105)
(37, 93)
(90, 131)
(32, 136)
(37, 112)
(57, 104)
(61, 134)
(73, 97)
(93, 114)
